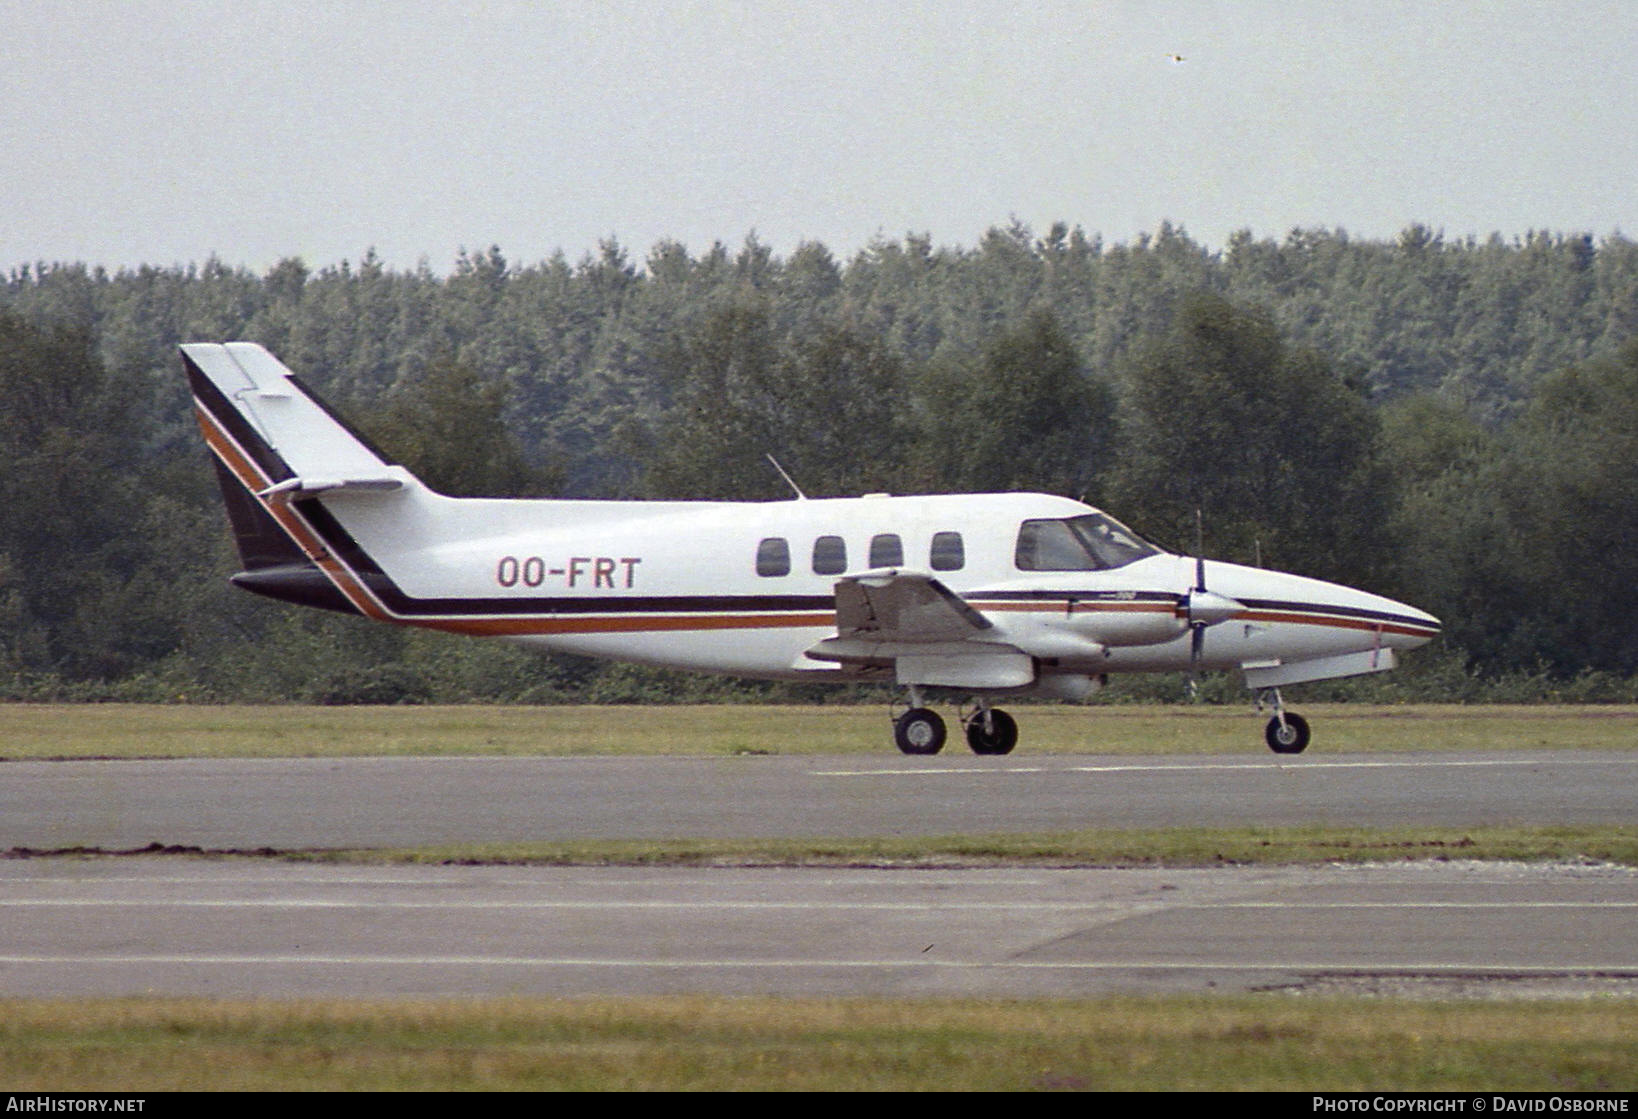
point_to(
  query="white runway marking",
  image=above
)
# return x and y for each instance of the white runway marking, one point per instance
(1237, 767)
(296, 930)
(1622, 969)
(754, 906)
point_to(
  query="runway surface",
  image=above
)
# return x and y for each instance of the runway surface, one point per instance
(402, 802)
(250, 927)
(153, 925)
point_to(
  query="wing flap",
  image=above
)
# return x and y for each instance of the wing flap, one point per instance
(911, 622)
(899, 606)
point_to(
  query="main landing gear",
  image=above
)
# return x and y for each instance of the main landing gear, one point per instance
(1286, 733)
(989, 730)
(920, 730)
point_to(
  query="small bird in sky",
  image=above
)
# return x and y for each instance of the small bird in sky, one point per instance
(1175, 57)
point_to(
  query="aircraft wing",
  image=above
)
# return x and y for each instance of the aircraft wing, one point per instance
(911, 622)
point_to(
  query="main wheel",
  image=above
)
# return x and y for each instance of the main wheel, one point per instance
(1001, 736)
(919, 731)
(1290, 737)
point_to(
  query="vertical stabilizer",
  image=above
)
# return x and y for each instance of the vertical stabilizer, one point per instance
(277, 447)
(281, 423)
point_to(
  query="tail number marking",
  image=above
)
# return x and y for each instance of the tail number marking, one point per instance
(596, 572)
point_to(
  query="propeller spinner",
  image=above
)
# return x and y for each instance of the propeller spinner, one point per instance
(1204, 608)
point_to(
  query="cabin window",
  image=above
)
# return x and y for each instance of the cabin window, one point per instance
(1092, 542)
(947, 553)
(829, 555)
(886, 550)
(773, 556)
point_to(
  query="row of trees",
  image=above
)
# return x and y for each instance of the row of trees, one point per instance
(1448, 423)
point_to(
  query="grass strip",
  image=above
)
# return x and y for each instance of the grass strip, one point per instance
(44, 731)
(1150, 847)
(1268, 1042)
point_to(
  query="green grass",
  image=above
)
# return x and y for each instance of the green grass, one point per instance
(1273, 1042)
(1142, 847)
(1177, 847)
(143, 731)
(1258, 1042)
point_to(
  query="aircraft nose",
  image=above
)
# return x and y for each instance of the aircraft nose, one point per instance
(1418, 627)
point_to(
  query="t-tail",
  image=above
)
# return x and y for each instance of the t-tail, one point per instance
(277, 447)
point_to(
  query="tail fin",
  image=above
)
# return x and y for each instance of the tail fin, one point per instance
(277, 443)
(288, 432)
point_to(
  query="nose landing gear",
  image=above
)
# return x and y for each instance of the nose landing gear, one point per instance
(1286, 733)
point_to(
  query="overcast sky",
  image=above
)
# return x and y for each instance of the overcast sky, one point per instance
(161, 132)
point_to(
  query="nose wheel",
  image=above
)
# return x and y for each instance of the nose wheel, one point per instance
(1286, 733)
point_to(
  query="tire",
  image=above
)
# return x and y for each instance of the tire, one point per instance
(999, 739)
(919, 731)
(1292, 738)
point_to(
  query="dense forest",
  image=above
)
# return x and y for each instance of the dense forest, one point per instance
(1453, 423)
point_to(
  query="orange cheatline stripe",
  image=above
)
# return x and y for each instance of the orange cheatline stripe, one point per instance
(253, 479)
(1318, 618)
(1334, 622)
(526, 627)
(1082, 606)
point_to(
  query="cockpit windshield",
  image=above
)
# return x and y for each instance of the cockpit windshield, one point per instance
(1091, 542)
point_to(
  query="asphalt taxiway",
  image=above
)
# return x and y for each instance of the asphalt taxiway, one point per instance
(406, 802)
(140, 925)
(230, 928)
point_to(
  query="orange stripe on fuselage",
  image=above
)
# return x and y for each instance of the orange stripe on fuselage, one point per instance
(1078, 606)
(251, 476)
(629, 623)
(1286, 617)
(253, 479)
(1364, 624)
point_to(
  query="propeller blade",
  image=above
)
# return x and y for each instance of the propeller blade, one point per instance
(1203, 609)
(1197, 646)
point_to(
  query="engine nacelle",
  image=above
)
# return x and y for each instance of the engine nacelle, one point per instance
(1121, 623)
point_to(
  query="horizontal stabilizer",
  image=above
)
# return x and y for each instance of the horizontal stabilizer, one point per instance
(293, 488)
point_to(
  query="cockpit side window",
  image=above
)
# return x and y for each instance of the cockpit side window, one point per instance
(1092, 542)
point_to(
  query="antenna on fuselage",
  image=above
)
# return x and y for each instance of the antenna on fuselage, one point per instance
(800, 496)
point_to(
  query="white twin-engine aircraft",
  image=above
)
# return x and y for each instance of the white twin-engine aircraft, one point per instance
(979, 595)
